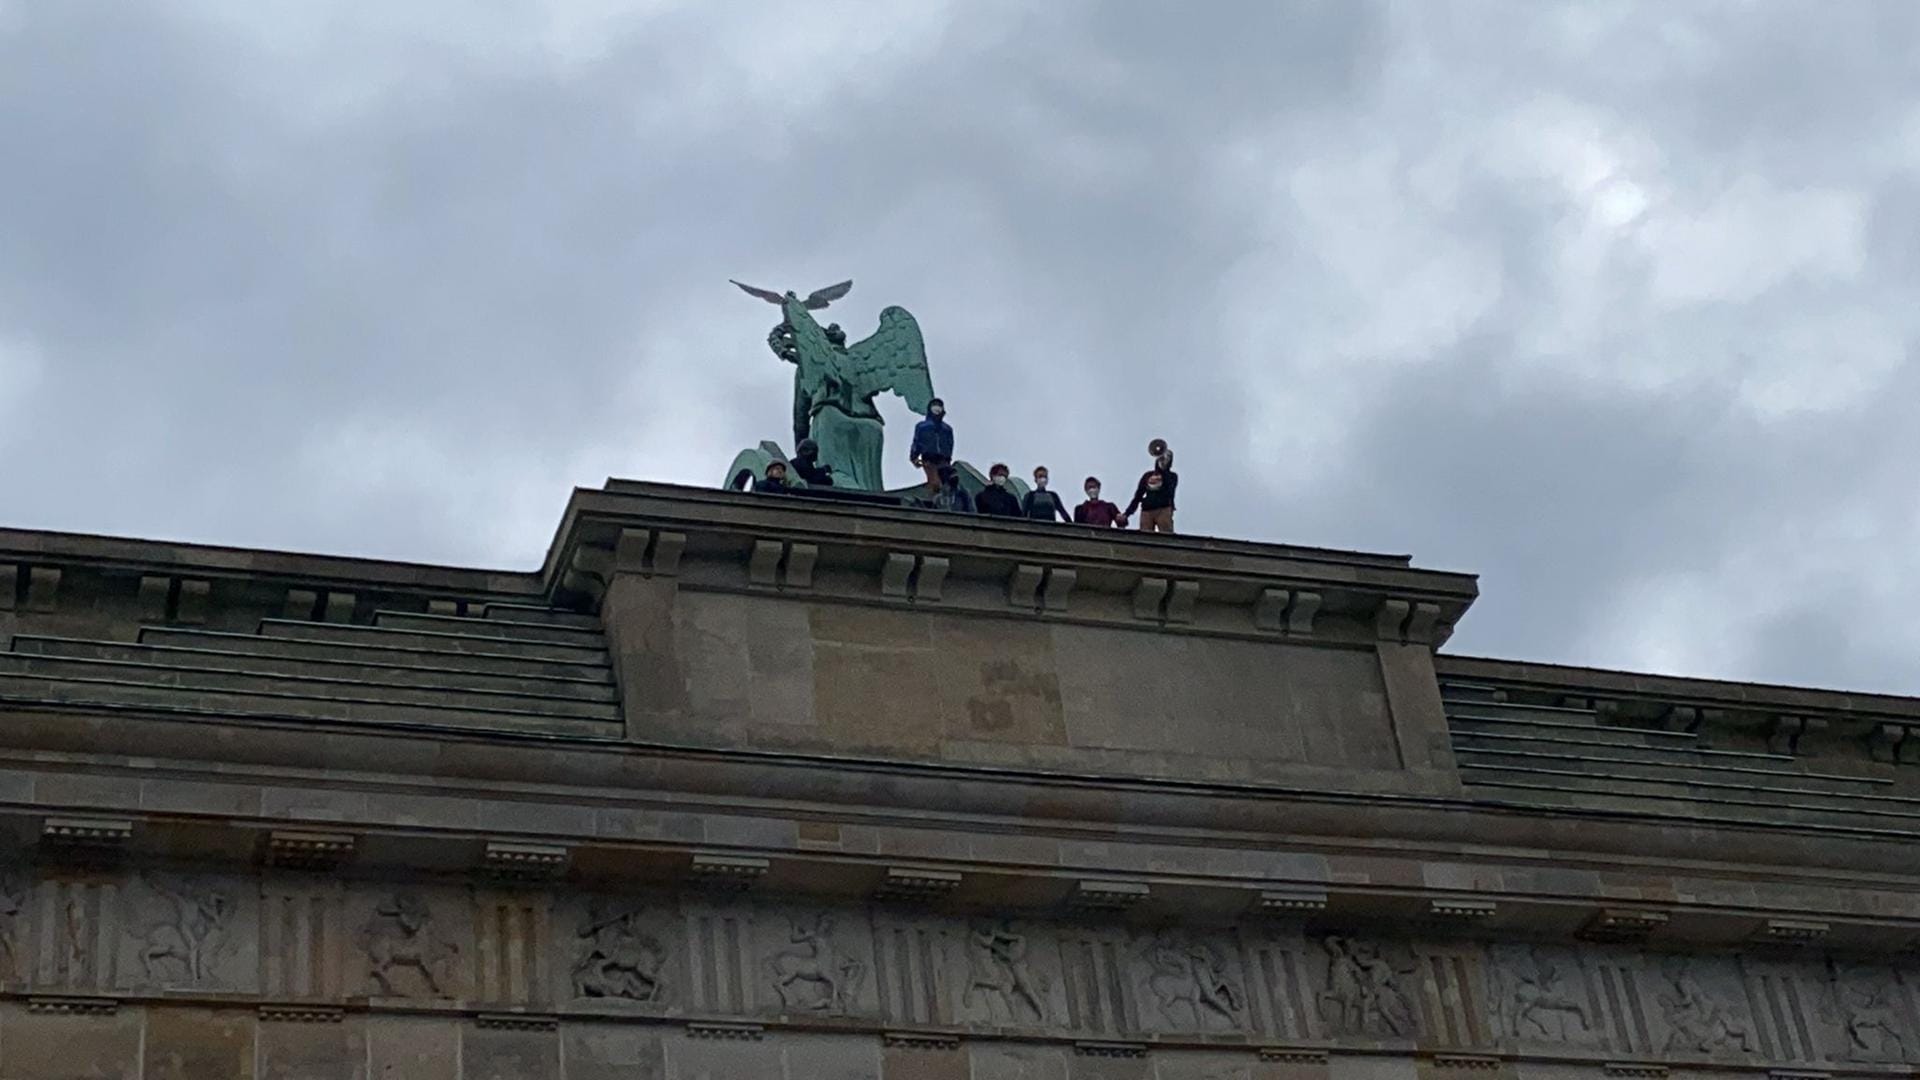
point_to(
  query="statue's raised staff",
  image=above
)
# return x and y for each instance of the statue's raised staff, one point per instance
(834, 383)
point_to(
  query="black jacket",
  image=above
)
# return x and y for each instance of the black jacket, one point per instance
(1146, 498)
(997, 501)
(1044, 506)
(814, 473)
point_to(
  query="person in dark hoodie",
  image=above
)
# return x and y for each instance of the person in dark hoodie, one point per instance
(1097, 511)
(949, 495)
(1154, 495)
(932, 442)
(806, 462)
(1041, 504)
(997, 500)
(775, 481)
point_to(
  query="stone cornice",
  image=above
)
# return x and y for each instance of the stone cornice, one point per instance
(1178, 855)
(1707, 693)
(883, 554)
(160, 558)
(473, 765)
(1880, 727)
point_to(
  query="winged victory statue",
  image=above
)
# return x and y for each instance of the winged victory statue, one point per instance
(834, 383)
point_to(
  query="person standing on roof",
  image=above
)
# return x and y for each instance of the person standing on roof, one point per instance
(806, 462)
(932, 442)
(997, 500)
(1154, 495)
(1041, 504)
(775, 480)
(1097, 511)
(949, 495)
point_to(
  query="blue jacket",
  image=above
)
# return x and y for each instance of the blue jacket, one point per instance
(932, 437)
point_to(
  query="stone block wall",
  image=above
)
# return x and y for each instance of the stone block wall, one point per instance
(170, 972)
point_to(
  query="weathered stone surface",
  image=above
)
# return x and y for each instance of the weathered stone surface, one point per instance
(830, 677)
(413, 1048)
(489, 1052)
(840, 1057)
(313, 1050)
(704, 1057)
(614, 1052)
(62, 1046)
(1016, 1061)
(184, 1043)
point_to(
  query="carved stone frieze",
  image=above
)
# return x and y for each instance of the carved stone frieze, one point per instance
(1862, 1005)
(406, 951)
(186, 932)
(816, 969)
(1703, 1007)
(1540, 996)
(1096, 977)
(624, 953)
(1193, 982)
(1366, 991)
(1003, 987)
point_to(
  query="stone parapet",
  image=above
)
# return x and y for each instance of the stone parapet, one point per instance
(740, 786)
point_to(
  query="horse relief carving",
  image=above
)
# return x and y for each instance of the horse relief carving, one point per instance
(622, 959)
(1864, 1003)
(813, 974)
(1363, 995)
(1698, 1019)
(406, 956)
(187, 932)
(1538, 1001)
(1191, 982)
(999, 981)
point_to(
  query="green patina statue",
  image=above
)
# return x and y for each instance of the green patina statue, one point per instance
(834, 384)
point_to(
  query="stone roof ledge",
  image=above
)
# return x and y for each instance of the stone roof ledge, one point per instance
(722, 540)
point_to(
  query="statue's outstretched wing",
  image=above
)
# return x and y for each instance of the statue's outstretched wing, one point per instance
(894, 358)
(820, 298)
(768, 295)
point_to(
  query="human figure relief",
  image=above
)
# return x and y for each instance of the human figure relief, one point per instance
(1188, 976)
(997, 975)
(1362, 995)
(811, 973)
(1699, 1021)
(184, 946)
(622, 960)
(1539, 1004)
(400, 940)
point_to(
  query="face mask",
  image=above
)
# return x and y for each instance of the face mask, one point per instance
(1163, 462)
(1040, 482)
(1093, 493)
(938, 412)
(999, 481)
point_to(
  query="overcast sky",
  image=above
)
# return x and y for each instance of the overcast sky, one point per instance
(1611, 303)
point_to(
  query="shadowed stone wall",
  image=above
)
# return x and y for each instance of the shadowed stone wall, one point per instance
(793, 675)
(192, 974)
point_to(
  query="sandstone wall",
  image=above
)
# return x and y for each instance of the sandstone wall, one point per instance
(184, 973)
